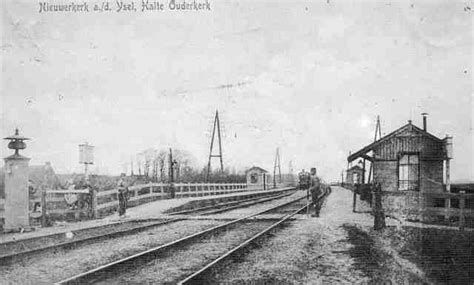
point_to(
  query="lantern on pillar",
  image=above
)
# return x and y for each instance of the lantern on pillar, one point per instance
(16, 142)
(16, 207)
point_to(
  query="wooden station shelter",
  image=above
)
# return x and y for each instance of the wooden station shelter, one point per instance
(408, 159)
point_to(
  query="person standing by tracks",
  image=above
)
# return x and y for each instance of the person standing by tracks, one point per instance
(122, 196)
(315, 191)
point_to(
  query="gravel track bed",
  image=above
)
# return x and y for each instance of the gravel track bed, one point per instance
(238, 213)
(52, 266)
(30, 244)
(245, 204)
(175, 265)
(288, 209)
(308, 253)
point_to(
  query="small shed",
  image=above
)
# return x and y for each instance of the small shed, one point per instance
(257, 178)
(355, 175)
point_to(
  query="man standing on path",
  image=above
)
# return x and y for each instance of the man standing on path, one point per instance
(315, 191)
(122, 196)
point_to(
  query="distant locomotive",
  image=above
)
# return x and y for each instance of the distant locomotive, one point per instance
(304, 180)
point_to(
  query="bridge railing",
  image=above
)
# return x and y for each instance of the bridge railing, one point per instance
(85, 204)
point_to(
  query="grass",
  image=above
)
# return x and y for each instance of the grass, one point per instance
(446, 256)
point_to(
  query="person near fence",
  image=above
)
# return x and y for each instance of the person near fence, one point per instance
(315, 191)
(122, 196)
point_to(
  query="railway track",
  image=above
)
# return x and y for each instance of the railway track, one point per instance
(224, 207)
(199, 276)
(12, 251)
(98, 233)
(157, 259)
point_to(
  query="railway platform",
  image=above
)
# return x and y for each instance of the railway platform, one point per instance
(148, 211)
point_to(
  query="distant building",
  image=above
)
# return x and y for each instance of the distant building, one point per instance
(355, 175)
(39, 175)
(257, 178)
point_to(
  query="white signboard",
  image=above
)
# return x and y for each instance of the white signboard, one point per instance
(86, 153)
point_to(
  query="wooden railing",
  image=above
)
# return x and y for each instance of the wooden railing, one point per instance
(449, 205)
(78, 204)
(140, 194)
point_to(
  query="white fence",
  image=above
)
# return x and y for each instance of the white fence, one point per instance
(77, 203)
(140, 194)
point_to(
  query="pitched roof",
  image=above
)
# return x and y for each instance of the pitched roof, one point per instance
(355, 167)
(363, 151)
(256, 168)
(38, 174)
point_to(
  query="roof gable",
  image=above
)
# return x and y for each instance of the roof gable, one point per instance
(256, 168)
(406, 130)
(355, 168)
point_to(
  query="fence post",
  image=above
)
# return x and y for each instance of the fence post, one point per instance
(379, 215)
(43, 208)
(354, 200)
(94, 210)
(462, 203)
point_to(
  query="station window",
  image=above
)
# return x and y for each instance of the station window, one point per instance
(408, 172)
(253, 178)
(355, 178)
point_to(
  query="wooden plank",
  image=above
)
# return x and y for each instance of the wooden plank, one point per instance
(148, 195)
(441, 211)
(79, 191)
(50, 199)
(106, 193)
(65, 211)
(108, 204)
(427, 194)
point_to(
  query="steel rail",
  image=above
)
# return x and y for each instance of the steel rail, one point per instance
(216, 206)
(197, 276)
(95, 274)
(245, 204)
(4, 259)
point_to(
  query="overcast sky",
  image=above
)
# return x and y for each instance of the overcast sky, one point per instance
(316, 76)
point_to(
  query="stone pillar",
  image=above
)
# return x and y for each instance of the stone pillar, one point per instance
(16, 193)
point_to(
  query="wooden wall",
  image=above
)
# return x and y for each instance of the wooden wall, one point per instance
(428, 148)
(431, 161)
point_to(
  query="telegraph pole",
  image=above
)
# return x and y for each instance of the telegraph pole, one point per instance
(217, 126)
(275, 167)
(378, 135)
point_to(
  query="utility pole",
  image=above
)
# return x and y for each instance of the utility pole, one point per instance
(217, 126)
(290, 169)
(171, 166)
(172, 163)
(275, 167)
(378, 131)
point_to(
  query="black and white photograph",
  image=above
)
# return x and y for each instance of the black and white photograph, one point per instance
(236, 142)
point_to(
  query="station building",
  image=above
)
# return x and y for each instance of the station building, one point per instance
(257, 178)
(408, 162)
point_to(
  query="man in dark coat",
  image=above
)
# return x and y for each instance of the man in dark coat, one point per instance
(122, 196)
(315, 191)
